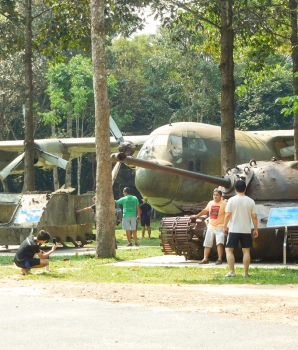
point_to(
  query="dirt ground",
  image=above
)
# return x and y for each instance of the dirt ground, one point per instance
(272, 303)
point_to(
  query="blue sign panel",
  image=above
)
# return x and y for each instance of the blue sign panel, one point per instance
(32, 215)
(279, 217)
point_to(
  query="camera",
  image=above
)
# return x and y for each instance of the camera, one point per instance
(54, 240)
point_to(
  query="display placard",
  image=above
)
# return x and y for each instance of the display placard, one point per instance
(31, 216)
(281, 217)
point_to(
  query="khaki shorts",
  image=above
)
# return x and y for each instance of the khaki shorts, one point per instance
(129, 224)
(211, 233)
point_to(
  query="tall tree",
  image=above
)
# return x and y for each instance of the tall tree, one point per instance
(293, 6)
(105, 226)
(228, 151)
(29, 176)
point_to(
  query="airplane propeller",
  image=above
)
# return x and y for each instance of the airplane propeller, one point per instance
(115, 131)
(11, 166)
(49, 157)
(124, 146)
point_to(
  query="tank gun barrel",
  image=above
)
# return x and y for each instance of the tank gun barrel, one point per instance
(154, 165)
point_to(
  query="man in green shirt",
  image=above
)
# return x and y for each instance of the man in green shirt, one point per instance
(131, 213)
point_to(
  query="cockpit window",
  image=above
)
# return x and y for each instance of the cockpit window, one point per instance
(161, 140)
(153, 142)
(175, 148)
(176, 141)
(146, 147)
(149, 141)
(194, 143)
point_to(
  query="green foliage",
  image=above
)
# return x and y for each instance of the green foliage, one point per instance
(291, 102)
(70, 90)
(256, 107)
(161, 77)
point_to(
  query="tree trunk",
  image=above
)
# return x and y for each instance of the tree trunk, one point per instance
(294, 44)
(55, 170)
(93, 170)
(2, 122)
(228, 153)
(29, 178)
(79, 159)
(69, 166)
(79, 170)
(105, 208)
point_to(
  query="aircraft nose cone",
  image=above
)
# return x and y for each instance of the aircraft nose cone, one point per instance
(158, 186)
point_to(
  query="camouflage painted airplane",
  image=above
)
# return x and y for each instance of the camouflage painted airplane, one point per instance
(191, 146)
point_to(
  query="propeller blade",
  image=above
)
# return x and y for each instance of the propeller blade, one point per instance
(115, 172)
(51, 158)
(115, 131)
(11, 166)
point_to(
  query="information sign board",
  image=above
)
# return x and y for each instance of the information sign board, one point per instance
(281, 217)
(32, 215)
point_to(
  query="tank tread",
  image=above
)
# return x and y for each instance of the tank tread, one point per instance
(176, 237)
(293, 239)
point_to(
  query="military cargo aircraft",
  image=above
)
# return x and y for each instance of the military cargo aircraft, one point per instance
(185, 145)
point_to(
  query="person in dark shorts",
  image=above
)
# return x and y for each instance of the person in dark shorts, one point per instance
(145, 216)
(29, 248)
(239, 214)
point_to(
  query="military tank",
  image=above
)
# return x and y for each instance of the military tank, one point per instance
(24, 214)
(272, 184)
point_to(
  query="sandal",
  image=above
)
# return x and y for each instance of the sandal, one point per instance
(230, 274)
(218, 262)
(204, 262)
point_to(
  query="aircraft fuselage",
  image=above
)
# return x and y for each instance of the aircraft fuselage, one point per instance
(196, 147)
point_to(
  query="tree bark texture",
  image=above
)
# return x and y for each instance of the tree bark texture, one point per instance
(55, 170)
(293, 5)
(29, 177)
(228, 153)
(105, 208)
(2, 121)
(68, 169)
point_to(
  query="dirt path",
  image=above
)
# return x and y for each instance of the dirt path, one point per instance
(272, 303)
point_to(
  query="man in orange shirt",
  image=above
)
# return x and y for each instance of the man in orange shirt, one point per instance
(216, 211)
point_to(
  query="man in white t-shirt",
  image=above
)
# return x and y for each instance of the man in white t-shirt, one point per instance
(216, 211)
(240, 213)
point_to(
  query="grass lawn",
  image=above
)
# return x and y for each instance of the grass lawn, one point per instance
(87, 268)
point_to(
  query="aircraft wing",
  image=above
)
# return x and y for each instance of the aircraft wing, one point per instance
(53, 152)
(84, 145)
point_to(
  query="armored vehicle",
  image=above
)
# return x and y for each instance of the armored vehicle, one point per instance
(25, 214)
(272, 184)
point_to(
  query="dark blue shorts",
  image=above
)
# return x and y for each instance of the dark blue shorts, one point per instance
(145, 220)
(234, 238)
(32, 262)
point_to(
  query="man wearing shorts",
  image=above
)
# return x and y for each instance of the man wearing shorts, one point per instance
(131, 213)
(145, 217)
(240, 212)
(30, 247)
(216, 211)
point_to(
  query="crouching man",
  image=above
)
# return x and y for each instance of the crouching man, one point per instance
(25, 255)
